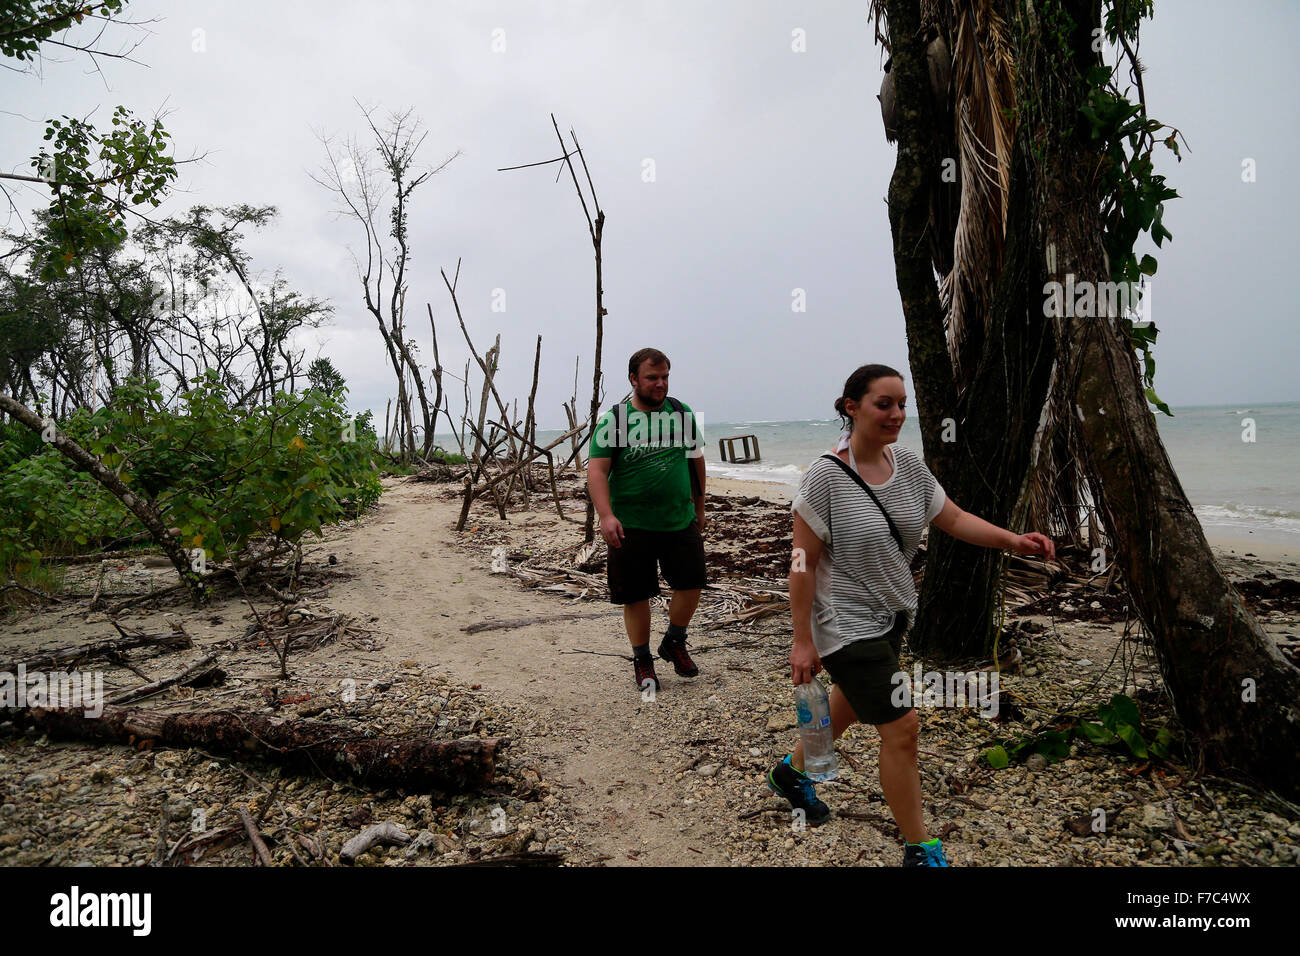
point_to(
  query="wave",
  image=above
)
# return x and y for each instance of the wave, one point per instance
(1234, 514)
(777, 474)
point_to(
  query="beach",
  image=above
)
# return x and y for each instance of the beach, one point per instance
(497, 631)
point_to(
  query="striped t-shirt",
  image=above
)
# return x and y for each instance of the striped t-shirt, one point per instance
(863, 579)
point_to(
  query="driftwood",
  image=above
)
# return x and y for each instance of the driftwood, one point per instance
(263, 854)
(315, 747)
(479, 626)
(99, 650)
(200, 668)
(389, 834)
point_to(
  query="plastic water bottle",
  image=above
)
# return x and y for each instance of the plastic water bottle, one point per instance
(813, 707)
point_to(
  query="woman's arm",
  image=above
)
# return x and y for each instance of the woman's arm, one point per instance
(965, 526)
(804, 662)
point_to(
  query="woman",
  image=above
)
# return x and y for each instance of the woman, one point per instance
(851, 590)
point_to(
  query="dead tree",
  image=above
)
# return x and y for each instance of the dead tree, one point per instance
(353, 179)
(596, 228)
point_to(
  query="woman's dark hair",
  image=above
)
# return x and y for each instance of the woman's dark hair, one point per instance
(858, 384)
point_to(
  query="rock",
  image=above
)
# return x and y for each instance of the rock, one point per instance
(709, 769)
(1031, 671)
(1036, 762)
(178, 808)
(780, 722)
(755, 752)
(11, 839)
(35, 780)
(1155, 817)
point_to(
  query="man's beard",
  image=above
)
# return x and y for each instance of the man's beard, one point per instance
(647, 398)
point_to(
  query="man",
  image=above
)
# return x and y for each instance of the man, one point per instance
(645, 474)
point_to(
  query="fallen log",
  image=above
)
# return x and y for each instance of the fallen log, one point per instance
(415, 764)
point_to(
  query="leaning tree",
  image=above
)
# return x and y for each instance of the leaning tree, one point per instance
(1023, 166)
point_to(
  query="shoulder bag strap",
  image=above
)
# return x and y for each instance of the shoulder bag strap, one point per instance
(865, 487)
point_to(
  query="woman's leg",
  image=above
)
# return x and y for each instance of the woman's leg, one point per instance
(842, 716)
(899, 777)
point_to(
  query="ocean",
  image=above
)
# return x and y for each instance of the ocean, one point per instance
(1238, 488)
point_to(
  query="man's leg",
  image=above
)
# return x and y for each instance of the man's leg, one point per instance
(681, 555)
(633, 580)
(636, 618)
(680, 609)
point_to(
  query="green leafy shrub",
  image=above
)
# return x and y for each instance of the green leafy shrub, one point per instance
(224, 475)
(1121, 723)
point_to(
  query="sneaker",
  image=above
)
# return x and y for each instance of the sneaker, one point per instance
(924, 854)
(675, 652)
(644, 667)
(790, 783)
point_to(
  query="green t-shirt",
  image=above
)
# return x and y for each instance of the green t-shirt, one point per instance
(650, 486)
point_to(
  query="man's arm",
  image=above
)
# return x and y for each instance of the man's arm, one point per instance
(598, 470)
(698, 492)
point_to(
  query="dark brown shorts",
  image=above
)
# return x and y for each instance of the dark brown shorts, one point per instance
(633, 568)
(865, 670)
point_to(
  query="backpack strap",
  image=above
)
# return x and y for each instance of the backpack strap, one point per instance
(865, 487)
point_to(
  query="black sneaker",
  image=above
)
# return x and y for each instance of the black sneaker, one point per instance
(920, 854)
(675, 652)
(790, 783)
(644, 668)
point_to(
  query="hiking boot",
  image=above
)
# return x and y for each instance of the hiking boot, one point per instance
(675, 652)
(924, 854)
(790, 783)
(644, 668)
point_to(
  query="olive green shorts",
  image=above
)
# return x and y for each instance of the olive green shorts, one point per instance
(865, 670)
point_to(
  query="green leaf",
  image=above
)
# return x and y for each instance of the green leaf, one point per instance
(1154, 399)
(1148, 266)
(1130, 736)
(997, 758)
(1120, 710)
(1096, 733)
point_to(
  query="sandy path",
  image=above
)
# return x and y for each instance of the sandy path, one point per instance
(408, 571)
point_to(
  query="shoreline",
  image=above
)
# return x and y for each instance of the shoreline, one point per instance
(1236, 544)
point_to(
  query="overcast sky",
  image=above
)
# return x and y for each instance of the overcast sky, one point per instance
(770, 175)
